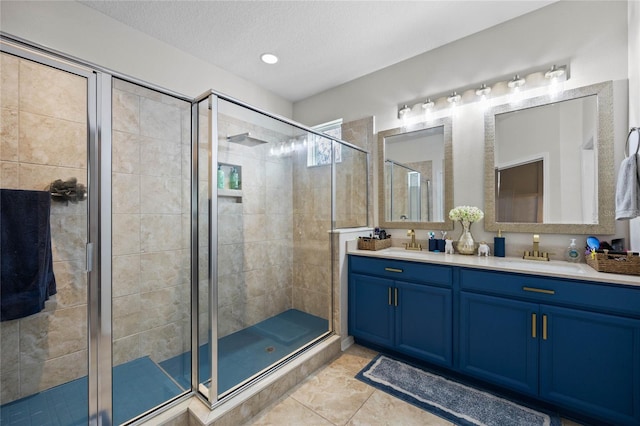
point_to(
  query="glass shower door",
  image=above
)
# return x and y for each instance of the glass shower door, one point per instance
(151, 204)
(44, 142)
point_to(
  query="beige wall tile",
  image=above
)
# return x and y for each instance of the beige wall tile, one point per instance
(68, 236)
(125, 195)
(160, 232)
(10, 386)
(71, 283)
(160, 121)
(39, 177)
(126, 272)
(9, 347)
(9, 134)
(126, 112)
(127, 316)
(163, 269)
(160, 195)
(125, 234)
(52, 372)
(126, 349)
(162, 343)
(52, 141)
(54, 93)
(160, 157)
(9, 78)
(54, 334)
(126, 152)
(9, 175)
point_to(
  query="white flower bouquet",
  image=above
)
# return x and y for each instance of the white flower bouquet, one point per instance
(467, 214)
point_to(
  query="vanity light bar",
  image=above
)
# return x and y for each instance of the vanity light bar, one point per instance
(536, 78)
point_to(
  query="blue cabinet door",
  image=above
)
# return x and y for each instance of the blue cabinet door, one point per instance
(371, 310)
(591, 362)
(424, 322)
(498, 341)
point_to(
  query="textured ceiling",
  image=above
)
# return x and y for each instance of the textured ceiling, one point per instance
(321, 44)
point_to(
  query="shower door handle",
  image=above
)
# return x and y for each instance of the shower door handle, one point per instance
(89, 257)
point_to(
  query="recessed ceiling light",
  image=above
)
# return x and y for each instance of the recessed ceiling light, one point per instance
(269, 58)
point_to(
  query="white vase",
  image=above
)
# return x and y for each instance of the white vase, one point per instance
(466, 245)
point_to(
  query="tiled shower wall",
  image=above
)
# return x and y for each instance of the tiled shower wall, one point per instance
(43, 137)
(312, 267)
(151, 205)
(255, 230)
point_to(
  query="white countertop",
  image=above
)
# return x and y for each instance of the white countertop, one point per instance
(552, 268)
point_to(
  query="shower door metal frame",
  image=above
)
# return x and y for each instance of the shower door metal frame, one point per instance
(99, 410)
(212, 396)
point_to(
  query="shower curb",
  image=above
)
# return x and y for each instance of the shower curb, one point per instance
(240, 408)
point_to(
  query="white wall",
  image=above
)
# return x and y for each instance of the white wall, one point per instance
(634, 94)
(591, 37)
(77, 30)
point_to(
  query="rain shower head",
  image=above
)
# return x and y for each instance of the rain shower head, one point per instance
(245, 139)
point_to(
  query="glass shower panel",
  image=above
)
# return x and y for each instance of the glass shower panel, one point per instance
(151, 201)
(351, 187)
(44, 204)
(273, 249)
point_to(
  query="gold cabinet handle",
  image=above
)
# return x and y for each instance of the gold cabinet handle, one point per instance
(392, 270)
(539, 290)
(534, 320)
(544, 327)
(390, 296)
(396, 298)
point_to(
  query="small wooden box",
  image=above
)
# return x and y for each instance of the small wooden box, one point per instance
(373, 244)
(626, 264)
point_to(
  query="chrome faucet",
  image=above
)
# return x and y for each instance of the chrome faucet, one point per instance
(536, 254)
(412, 245)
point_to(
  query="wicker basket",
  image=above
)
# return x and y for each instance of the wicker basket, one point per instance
(373, 244)
(614, 263)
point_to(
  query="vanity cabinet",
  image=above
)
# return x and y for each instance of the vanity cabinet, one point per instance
(523, 333)
(402, 306)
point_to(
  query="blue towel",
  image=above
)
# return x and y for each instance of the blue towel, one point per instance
(26, 273)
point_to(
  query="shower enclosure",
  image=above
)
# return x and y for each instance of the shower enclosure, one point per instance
(199, 258)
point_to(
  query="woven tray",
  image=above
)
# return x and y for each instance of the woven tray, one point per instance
(372, 244)
(614, 263)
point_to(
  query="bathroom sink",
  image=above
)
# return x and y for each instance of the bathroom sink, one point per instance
(532, 265)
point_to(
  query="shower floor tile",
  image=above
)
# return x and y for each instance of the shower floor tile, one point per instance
(248, 351)
(138, 386)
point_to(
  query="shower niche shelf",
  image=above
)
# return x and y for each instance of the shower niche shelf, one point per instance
(232, 193)
(227, 190)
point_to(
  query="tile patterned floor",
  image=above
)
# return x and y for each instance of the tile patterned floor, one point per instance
(332, 396)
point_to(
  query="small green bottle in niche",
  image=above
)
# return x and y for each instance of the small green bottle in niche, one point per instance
(234, 179)
(220, 177)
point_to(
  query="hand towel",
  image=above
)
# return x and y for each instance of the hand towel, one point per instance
(628, 188)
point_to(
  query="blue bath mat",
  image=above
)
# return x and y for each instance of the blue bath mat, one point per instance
(460, 404)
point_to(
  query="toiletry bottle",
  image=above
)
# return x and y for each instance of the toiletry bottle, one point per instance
(220, 177)
(234, 179)
(572, 254)
(499, 245)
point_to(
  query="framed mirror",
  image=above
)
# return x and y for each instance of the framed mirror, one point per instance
(549, 163)
(415, 175)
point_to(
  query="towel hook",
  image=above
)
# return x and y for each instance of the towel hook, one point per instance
(627, 147)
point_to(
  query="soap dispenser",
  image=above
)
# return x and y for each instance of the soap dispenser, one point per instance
(234, 179)
(572, 254)
(498, 245)
(220, 177)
